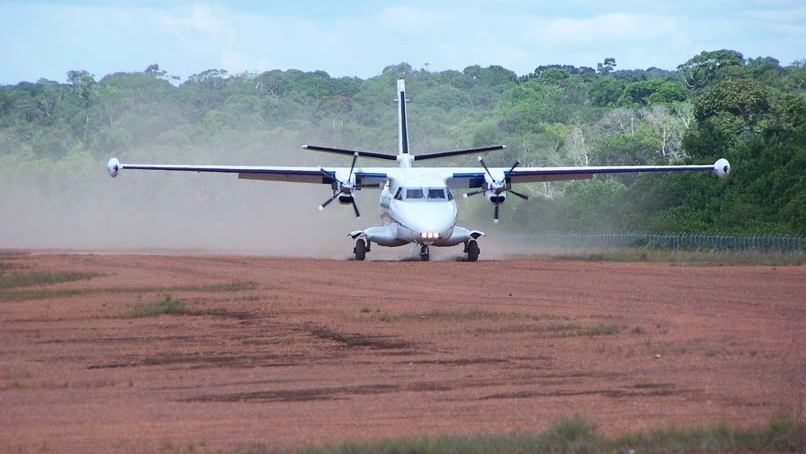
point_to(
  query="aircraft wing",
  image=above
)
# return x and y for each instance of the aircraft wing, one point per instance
(461, 178)
(267, 173)
(311, 175)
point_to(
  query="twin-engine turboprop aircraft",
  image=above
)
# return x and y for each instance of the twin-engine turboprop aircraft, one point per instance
(416, 204)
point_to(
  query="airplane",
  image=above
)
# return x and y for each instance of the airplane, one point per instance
(416, 204)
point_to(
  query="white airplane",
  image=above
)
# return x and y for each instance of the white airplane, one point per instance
(416, 204)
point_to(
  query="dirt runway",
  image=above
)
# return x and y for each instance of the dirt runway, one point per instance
(285, 352)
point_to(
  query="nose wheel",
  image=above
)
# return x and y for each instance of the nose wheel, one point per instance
(360, 249)
(425, 253)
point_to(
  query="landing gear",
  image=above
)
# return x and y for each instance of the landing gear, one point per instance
(472, 250)
(425, 253)
(360, 249)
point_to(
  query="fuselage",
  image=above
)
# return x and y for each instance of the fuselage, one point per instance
(416, 204)
(419, 210)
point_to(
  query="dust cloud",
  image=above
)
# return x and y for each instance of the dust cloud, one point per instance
(83, 208)
(74, 205)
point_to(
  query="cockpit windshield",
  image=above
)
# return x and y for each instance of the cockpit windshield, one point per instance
(424, 194)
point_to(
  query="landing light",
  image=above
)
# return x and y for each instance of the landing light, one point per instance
(429, 235)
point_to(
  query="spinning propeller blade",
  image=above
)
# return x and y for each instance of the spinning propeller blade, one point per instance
(355, 208)
(497, 187)
(523, 196)
(345, 187)
(327, 202)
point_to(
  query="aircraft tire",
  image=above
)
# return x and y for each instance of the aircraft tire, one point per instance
(360, 250)
(472, 251)
(425, 253)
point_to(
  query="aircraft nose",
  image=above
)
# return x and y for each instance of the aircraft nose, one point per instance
(426, 221)
(436, 224)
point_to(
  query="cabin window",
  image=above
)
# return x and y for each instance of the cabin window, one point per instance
(424, 194)
(414, 193)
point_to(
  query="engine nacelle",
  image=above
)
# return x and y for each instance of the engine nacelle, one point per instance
(496, 198)
(346, 198)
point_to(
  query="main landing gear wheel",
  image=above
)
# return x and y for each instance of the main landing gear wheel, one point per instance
(425, 253)
(360, 250)
(472, 251)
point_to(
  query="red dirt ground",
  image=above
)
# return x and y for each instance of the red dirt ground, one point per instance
(301, 351)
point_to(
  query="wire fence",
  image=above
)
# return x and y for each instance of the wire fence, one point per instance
(675, 242)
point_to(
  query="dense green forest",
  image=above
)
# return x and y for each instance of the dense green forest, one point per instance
(751, 111)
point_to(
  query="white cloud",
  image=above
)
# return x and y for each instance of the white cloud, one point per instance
(359, 38)
(621, 28)
(199, 19)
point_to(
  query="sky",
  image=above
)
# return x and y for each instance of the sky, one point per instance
(358, 38)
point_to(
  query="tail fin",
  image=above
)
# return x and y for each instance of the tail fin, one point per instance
(403, 131)
(404, 158)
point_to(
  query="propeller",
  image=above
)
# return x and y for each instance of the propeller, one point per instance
(345, 188)
(497, 187)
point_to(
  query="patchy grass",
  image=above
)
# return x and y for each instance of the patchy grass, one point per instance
(691, 257)
(23, 295)
(17, 384)
(555, 330)
(550, 330)
(238, 286)
(573, 435)
(599, 330)
(780, 435)
(690, 347)
(167, 305)
(440, 315)
(88, 384)
(170, 305)
(466, 315)
(16, 280)
(80, 384)
(46, 293)
(463, 315)
(638, 330)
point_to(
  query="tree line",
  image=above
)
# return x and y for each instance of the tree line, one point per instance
(751, 111)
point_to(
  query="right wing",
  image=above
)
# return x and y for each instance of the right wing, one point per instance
(462, 178)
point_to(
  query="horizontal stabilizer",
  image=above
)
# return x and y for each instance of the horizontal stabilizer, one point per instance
(366, 154)
(442, 154)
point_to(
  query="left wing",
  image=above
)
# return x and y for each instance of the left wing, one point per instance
(269, 173)
(460, 178)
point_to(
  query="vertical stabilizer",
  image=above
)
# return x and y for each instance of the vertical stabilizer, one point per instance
(403, 132)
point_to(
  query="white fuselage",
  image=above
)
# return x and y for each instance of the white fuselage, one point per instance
(416, 206)
(419, 214)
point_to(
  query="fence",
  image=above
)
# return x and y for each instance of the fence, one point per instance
(677, 241)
